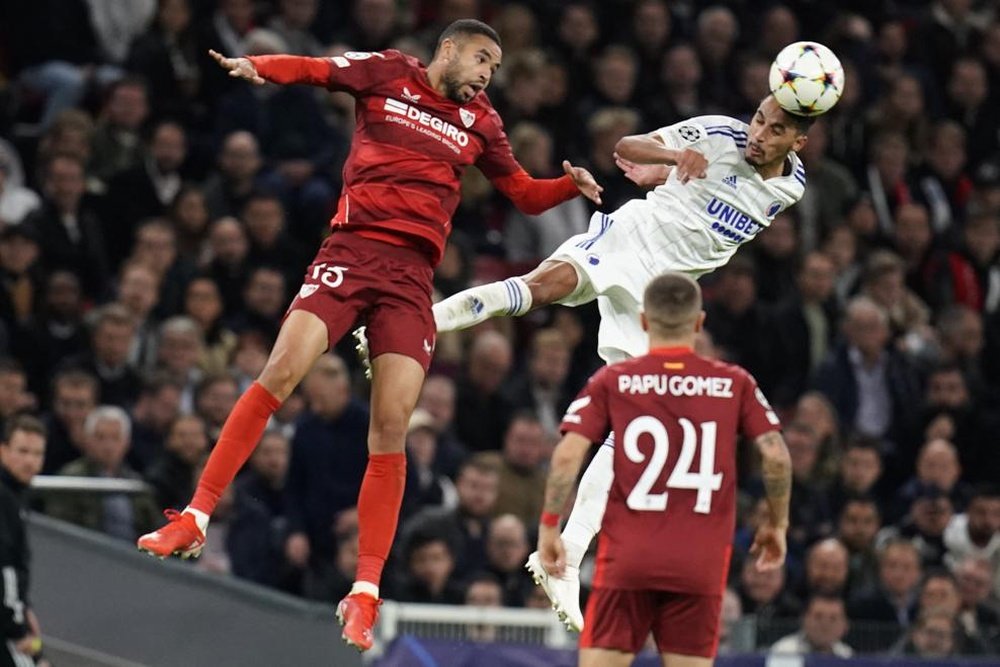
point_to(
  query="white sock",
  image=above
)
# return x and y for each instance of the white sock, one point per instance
(200, 518)
(584, 520)
(365, 587)
(478, 304)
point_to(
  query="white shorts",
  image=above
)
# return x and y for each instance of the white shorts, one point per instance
(608, 266)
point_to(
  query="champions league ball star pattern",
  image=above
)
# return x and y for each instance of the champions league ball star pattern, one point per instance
(806, 79)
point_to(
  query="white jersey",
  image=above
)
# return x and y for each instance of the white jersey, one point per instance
(697, 226)
(694, 227)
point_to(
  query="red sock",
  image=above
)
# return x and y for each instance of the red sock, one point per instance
(378, 512)
(240, 435)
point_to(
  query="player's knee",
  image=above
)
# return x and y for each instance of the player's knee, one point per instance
(550, 282)
(387, 432)
(279, 377)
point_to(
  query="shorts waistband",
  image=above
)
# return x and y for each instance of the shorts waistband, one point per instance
(403, 253)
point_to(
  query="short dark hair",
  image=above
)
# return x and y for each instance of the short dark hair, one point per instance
(802, 124)
(465, 27)
(25, 424)
(10, 366)
(985, 490)
(823, 597)
(672, 302)
(422, 538)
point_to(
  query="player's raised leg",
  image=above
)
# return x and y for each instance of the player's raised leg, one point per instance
(396, 383)
(550, 282)
(302, 339)
(582, 526)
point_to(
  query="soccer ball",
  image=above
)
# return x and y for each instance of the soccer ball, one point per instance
(806, 79)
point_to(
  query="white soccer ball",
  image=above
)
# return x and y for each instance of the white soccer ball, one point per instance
(806, 79)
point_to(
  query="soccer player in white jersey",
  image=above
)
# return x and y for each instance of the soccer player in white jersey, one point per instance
(718, 182)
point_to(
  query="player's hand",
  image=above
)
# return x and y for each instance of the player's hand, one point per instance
(769, 546)
(551, 551)
(239, 68)
(584, 181)
(643, 175)
(690, 164)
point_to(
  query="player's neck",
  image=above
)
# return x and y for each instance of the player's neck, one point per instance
(773, 169)
(435, 76)
(684, 343)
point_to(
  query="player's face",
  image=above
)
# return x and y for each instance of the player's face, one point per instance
(472, 62)
(772, 135)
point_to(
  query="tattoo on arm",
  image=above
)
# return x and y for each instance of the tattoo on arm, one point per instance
(776, 470)
(557, 491)
(566, 461)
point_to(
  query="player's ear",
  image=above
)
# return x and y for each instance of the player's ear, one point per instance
(644, 322)
(700, 322)
(800, 142)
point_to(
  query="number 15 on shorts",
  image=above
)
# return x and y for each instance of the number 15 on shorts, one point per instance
(330, 276)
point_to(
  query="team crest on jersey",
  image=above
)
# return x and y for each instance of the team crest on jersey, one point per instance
(468, 118)
(407, 95)
(307, 291)
(773, 209)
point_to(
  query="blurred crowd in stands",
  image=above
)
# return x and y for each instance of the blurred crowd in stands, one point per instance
(156, 217)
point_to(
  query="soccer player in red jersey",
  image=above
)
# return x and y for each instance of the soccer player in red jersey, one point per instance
(418, 129)
(664, 548)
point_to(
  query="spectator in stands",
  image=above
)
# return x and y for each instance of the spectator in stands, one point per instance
(824, 626)
(264, 301)
(938, 467)
(715, 38)
(895, 600)
(884, 281)
(924, 525)
(437, 397)
(968, 102)
(940, 591)
(156, 409)
(831, 188)
(806, 325)
(188, 214)
(827, 569)
(430, 564)
(16, 201)
(859, 523)
(604, 129)
(976, 533)
(960, 331)
(258, 526)
(167, 59)
(506, 552)
(146, 189)
(980, 613)
(173, 474)
(810, 517)
(522, 477)
(203, 304)
(112, 338)
(763, 593)
(542, 386)
(270, 243)
(156, 246)
(944, 185)
(14, 395)
(859, 472)
(214, 399)
(933, 635)
(523, 92)
(482, 411)
(293, 22)
(466, 525)
(228, 189)
(139, 292)
(74, 395)
(973, 263)
(483, 590)
(731, 613)
(680, 76)
(21, 276)
(116, 144)
(180, 348)
(59, 332)
(22, 449)
(433, 489)
(107, 433)
(815, 410)
(872, 385)
(70, 225)
(327, 461)
(227, 264)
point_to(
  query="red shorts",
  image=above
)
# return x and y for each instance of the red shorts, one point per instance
(385, 286)
(681, 623)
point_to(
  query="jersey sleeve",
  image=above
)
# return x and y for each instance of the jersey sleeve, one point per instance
(357, 72)
(498, 159)
(700, 132)
(589, 415)
(757, 417)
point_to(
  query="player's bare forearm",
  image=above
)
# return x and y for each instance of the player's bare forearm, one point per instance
(645, 149)
(566, 461)
(776, 471)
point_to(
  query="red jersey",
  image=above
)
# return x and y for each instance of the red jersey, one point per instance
(671, 512)
(410, 148)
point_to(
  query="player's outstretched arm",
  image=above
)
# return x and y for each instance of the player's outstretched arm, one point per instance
(258, 70)
(769, 544)
(650, 149)
(566, 461)
(643, 175)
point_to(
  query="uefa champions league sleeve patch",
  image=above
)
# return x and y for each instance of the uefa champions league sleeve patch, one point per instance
(691, 133)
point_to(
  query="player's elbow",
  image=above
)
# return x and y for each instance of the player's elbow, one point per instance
(625, 147)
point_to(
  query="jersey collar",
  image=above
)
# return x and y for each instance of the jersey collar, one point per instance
(672, 351)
